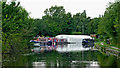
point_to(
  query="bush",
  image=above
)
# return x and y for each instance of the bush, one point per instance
(76, 33)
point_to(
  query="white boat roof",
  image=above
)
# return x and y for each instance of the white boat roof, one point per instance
(74, 36)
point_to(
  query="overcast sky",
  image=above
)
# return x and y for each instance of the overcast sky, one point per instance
(93, 8)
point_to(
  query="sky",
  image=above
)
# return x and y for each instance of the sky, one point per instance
(93, 8)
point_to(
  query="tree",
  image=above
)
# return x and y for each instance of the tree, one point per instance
(109, 24)
(93, 26)
(81, 21)
(57, 21)
(16, 27)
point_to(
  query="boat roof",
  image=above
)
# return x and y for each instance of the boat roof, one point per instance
(74, 36)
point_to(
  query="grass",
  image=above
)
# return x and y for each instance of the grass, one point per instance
(106, 45)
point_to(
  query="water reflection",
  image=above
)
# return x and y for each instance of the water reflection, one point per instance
(61, 48)
(66, 59)
(62, 56)
(71, 48)
(43, 48)
(66, 55)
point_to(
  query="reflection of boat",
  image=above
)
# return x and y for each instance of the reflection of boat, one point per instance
(36, 49)
(63, 48)
(87, 43)
(36, 44)
(43, 48)
(71, 48)
(39, 64)
(48, 41)
(92, 64)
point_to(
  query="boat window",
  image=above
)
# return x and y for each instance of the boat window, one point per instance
(87, 40)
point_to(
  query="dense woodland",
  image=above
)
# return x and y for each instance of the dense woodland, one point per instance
(18, 27)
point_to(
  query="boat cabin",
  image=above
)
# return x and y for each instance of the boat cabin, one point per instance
(75, 38)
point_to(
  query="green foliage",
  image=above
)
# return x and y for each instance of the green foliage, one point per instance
(80, 22)
(109, 23)
(16, 27)
(76, 33)
(93, 26)
(55, 22)
(107, 61)
(0, 29)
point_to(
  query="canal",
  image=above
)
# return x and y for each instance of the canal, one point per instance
(61, 56)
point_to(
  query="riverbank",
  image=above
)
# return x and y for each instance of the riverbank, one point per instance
(106, 49)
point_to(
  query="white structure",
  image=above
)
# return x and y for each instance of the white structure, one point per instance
(73, 38)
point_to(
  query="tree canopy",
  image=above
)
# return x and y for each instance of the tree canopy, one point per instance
(16, 26)
(109, 25)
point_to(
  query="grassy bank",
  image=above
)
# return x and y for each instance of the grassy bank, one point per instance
(107, 48)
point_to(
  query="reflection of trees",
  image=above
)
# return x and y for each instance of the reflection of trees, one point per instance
(0, 33)
(14, 60)
(110, 61)
(55, 58)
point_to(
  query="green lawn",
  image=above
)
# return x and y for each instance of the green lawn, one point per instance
(103, 44)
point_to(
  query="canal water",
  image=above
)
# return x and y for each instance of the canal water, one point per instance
(62, 56)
